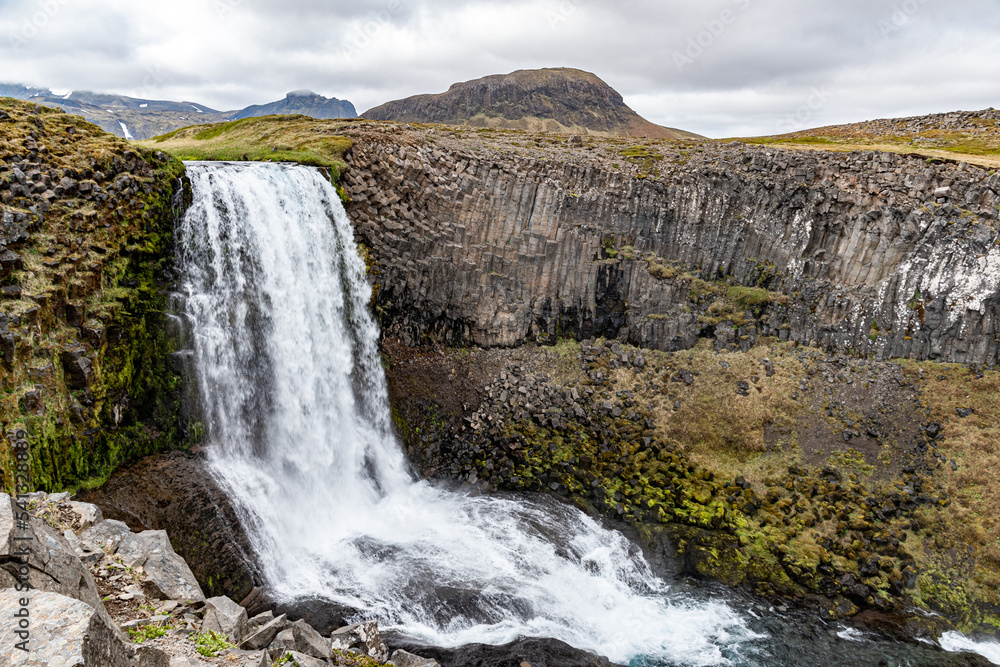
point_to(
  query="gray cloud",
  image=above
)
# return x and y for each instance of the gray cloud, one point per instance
(720, 67)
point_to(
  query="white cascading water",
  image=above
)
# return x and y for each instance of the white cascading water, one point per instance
(297, 412)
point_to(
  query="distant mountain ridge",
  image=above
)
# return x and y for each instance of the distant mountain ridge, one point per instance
(136, 118)
(303, 102)
(556, 100)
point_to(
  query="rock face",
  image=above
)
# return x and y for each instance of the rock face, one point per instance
(63, 631)
(175, 492)
(559, 100)
(880, 254)
(86, 223)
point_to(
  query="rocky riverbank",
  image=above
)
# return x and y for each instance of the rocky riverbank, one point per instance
(103, 596)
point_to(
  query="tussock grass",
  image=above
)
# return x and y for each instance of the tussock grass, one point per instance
(974, 444)
(718, 428)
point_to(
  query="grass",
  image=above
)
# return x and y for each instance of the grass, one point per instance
(980, 146)
(210, 644)
(146, 632)
(974, 444)
(265, 139)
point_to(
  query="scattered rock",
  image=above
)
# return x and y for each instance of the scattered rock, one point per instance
(362, 637)
(164, 569)
(264, 635)
(401, 658)
(300, 637)
(225, 617)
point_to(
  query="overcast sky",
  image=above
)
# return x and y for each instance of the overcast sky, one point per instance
(718, 67)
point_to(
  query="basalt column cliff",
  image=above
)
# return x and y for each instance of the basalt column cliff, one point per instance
(506, 237)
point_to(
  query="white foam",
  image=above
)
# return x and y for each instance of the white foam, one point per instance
(956, 642)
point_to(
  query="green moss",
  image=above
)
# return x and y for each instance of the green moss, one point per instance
(210, 644)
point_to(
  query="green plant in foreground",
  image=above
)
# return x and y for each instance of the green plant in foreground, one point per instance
(146, 632)
(211, 643)
(353, 659)
(287, 660)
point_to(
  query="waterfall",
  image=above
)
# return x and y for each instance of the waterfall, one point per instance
(297, 415)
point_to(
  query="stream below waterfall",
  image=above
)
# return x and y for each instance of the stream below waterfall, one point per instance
(287, 369)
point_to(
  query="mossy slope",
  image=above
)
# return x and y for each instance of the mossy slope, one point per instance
(87, 371)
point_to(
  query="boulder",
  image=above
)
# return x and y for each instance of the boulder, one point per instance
(184, 661)
(225, 617)
(301, 659)
(51, 563)
(87, 514)
(401, 658)
(62, 631)
(301, 637)
(88, 552)
(176, 492)
(264, 635)
(362, 637)
(147, 656)
(164, 568)
(533, 651)
(107, 534)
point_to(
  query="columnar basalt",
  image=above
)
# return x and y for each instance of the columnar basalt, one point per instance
(495, 241)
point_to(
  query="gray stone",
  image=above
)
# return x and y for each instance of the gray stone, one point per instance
(224, 616)
(88, 552)
(88, 514)
(264, 635)
(50, 564)
(184, 661)
(107, 534)
(301, 637)
(63, 631)
(261, 619)
(147, 656)
(362, 637)
(403, 659)
(164, 569)
(302, 659)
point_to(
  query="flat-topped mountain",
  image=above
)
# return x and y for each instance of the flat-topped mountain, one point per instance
(302, 102)
(555, 100)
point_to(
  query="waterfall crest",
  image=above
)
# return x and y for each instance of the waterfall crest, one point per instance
(296, 405)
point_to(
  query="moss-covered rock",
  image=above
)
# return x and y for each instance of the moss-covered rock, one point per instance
(88, 376)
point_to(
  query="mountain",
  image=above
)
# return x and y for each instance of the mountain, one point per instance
(136, 118)
(304, 102)
(555, 100)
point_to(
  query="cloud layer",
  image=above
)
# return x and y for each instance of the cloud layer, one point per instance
(718, 67)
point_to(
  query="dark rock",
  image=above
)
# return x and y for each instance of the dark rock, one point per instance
(174, 492)
(534, 651)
